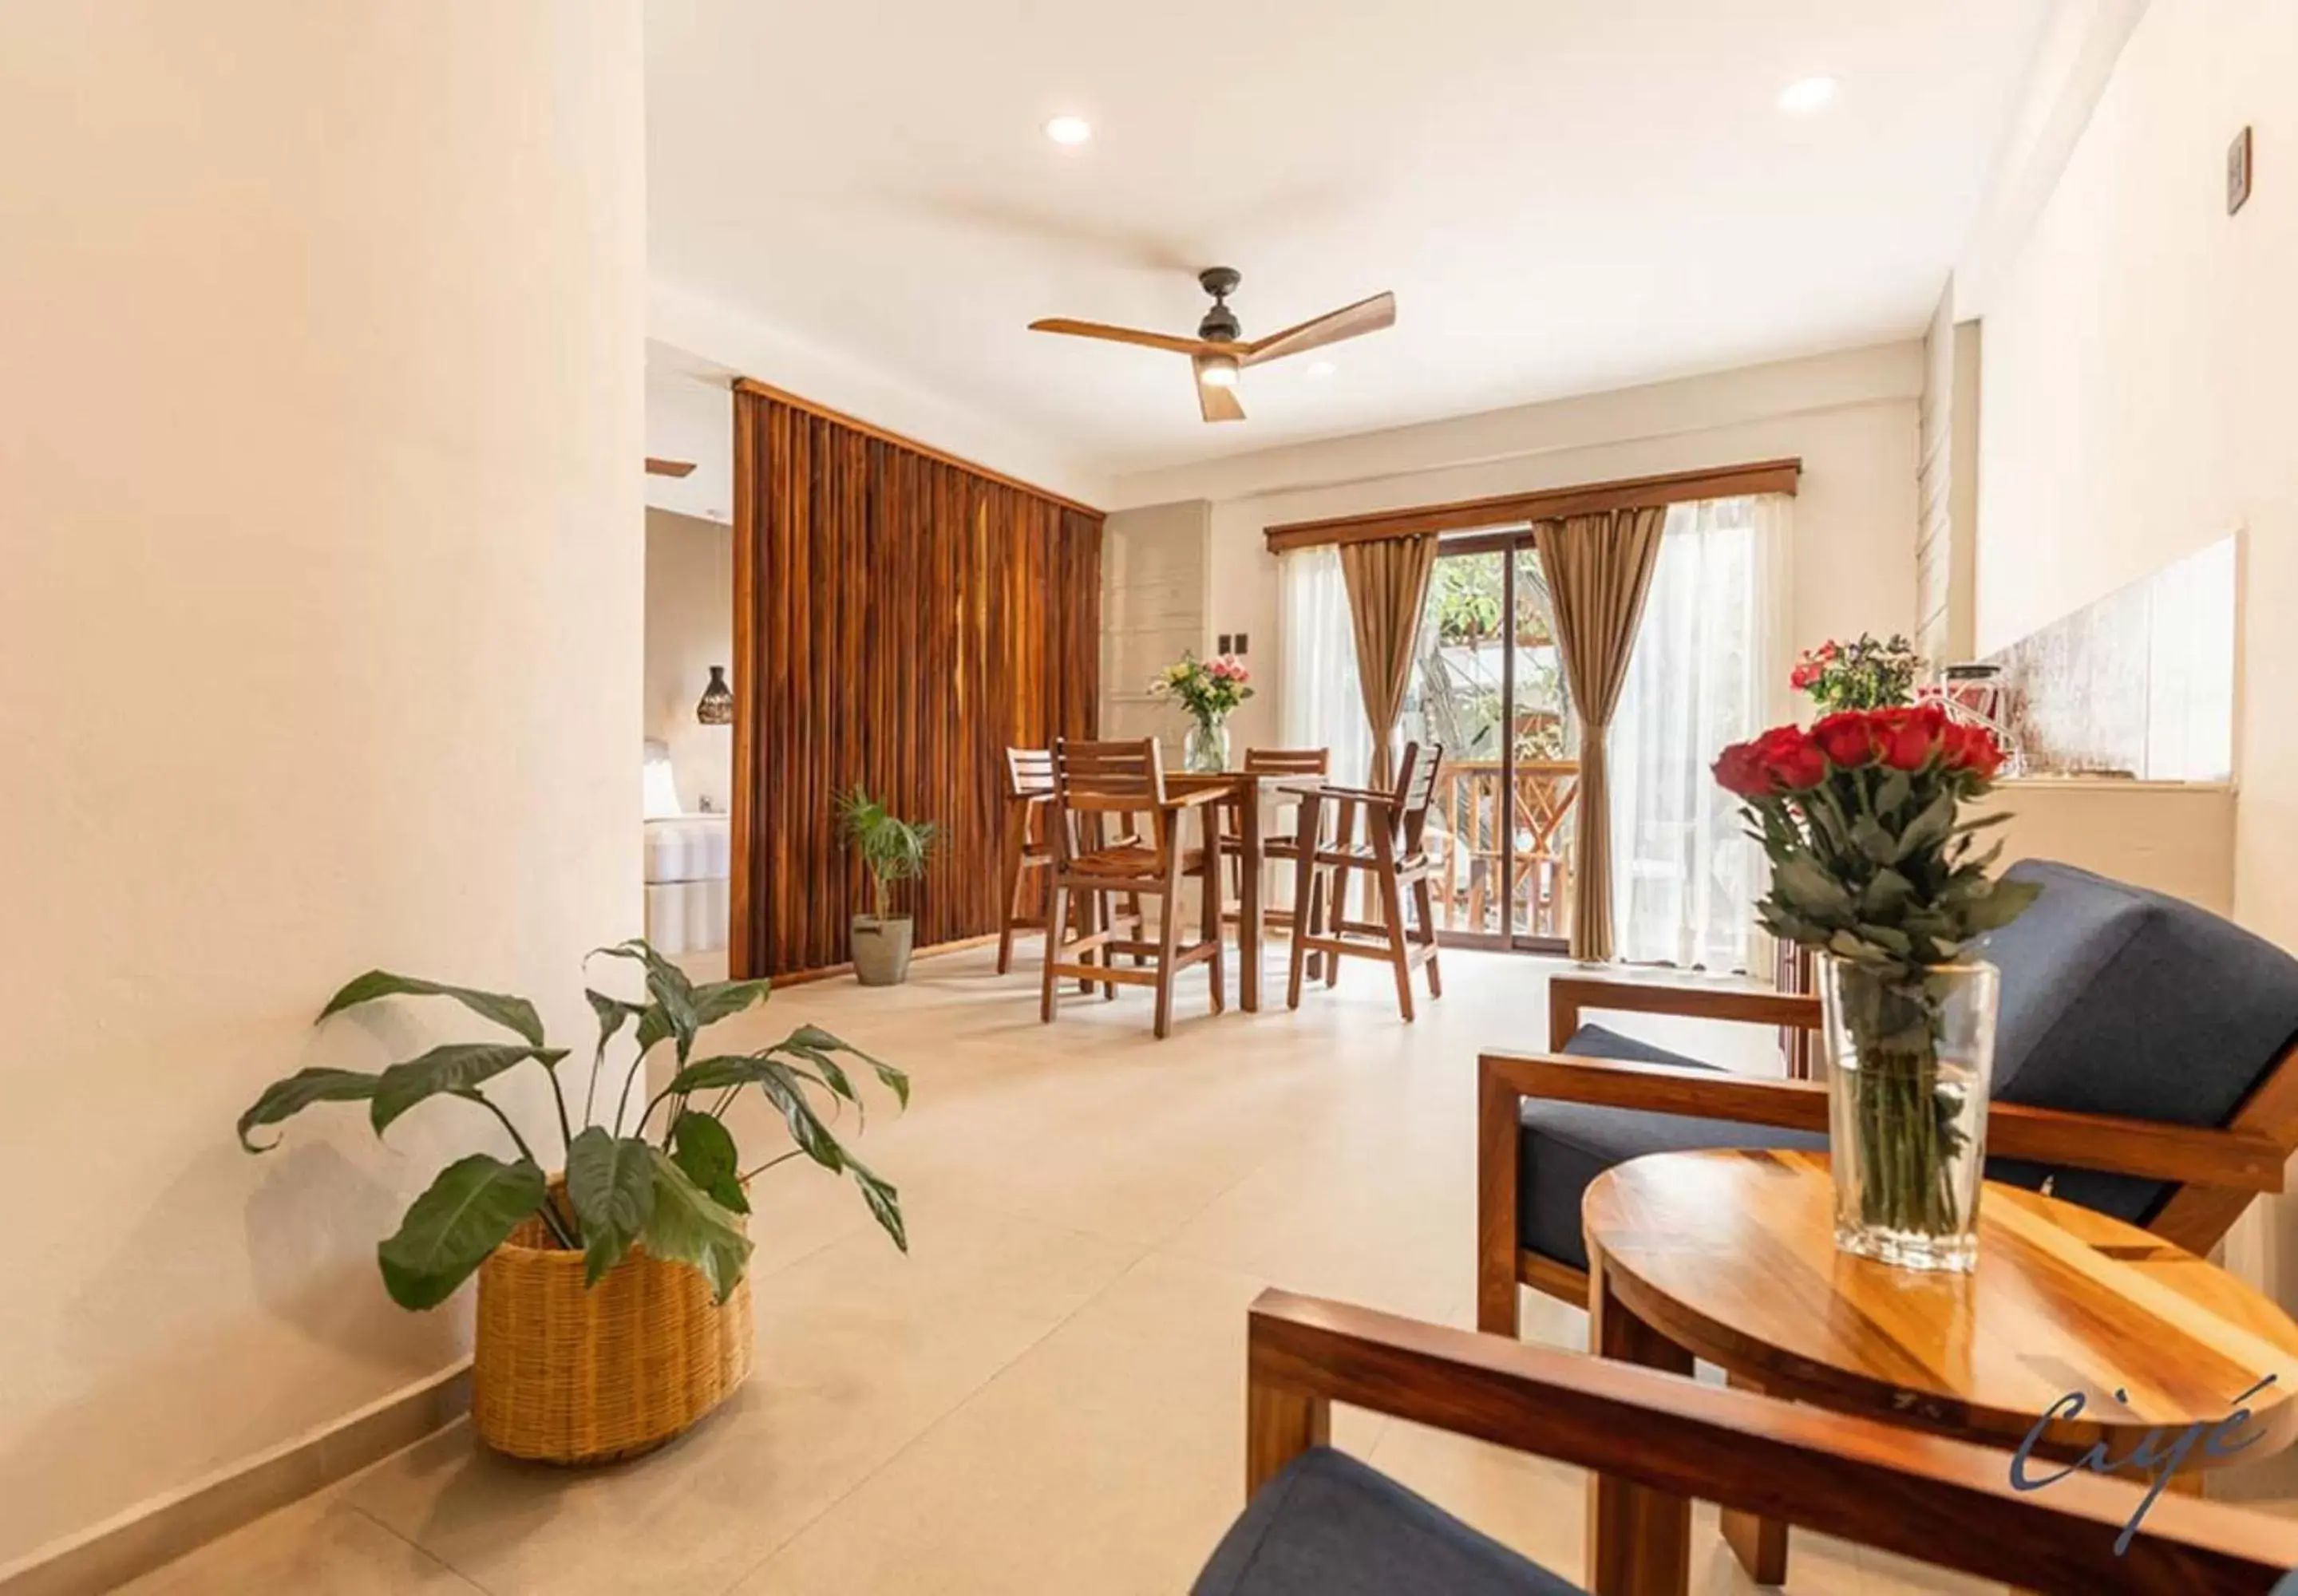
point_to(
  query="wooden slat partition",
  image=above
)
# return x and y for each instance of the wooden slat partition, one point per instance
(901, 619)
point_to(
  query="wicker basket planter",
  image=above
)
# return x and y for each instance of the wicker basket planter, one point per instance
(565, 1373)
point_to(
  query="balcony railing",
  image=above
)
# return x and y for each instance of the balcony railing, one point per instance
(1469, 835)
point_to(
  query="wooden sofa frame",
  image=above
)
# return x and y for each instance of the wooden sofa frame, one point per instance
(2215, 1172)
(1945, 1502)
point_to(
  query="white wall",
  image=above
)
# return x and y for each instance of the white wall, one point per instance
(690, 627)
(2137, 394)
(1852, 417)
(319, 649)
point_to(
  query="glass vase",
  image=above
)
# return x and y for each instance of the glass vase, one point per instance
(1910, 1056)
(1205, 750)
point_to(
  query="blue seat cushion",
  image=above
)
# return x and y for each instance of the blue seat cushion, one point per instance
(1565, 1145)
(1328, 1526)
(2124, 1001)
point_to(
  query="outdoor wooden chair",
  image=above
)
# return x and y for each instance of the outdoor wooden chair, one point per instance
(1319, 1523)
(1394, 857)
(1092, 782)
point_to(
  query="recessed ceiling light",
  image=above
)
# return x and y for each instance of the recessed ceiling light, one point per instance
(1322, 368)
(1806, 95)
(1069, 130)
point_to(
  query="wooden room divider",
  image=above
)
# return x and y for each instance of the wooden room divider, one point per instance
(901, 618)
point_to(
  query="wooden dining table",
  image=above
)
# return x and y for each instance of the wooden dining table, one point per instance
(1252, 799)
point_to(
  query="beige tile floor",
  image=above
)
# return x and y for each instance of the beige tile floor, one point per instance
(1046, 1395)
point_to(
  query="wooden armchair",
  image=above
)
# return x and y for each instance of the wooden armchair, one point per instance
(1320, 1523)
(2147, 1065)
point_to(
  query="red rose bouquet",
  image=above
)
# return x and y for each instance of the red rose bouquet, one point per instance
(1873, 865)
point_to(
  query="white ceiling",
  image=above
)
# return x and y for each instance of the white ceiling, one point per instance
(1565, 196)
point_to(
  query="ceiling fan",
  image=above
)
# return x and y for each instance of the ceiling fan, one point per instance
(1220, 350)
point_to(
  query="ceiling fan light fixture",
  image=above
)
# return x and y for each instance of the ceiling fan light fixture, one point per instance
(1807, 96)
(1219, 371)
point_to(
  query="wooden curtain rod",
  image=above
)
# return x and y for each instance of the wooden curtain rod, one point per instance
(751, 385)
(1551, 503)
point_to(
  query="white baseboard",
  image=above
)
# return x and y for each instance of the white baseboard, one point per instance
(165, 1527)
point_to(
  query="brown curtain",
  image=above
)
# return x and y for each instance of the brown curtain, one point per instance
(900, 620)
(1388, 583)
(1600, 567)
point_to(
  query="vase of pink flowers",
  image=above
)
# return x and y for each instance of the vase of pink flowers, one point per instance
(1866, 673)
(1208, 690)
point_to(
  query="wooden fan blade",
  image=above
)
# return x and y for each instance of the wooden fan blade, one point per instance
(1093, 329)
(1215, 404)
(1353, 321)
(669, 468)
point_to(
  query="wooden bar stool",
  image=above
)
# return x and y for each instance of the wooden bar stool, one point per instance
(1281, 845)
(1091, 782)
(1029, 843)
(1395, 859)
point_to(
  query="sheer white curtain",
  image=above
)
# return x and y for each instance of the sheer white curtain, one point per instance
(1710, 668)
(1319, 704)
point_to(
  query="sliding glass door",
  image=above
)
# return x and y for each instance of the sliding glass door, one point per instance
(1488, 686)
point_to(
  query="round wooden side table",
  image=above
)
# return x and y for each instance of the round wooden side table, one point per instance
(1729, 1256)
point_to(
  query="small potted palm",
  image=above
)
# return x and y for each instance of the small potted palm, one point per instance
(892, 850)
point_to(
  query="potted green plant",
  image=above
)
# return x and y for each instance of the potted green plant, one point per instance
(892, 850)
(614, 1301)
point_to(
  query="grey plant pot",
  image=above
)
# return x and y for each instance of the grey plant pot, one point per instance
(881, 950)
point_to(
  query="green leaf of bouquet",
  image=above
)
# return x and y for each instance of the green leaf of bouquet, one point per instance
(686, 1227)
(1892, 792)
(1884, 896)
(470, 1210)
(458, 1066)
(702, 1146)
(1810, 890)
(610, 1185)
(515, 1015)
(1870, 838)
(1928, 829)
(283, 1099)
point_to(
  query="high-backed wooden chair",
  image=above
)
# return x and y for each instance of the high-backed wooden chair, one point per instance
(1282, 846)
(2145, 1065)
(1092, 782)
(1395, 858)
(1029, 843)
(1319, 1523)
